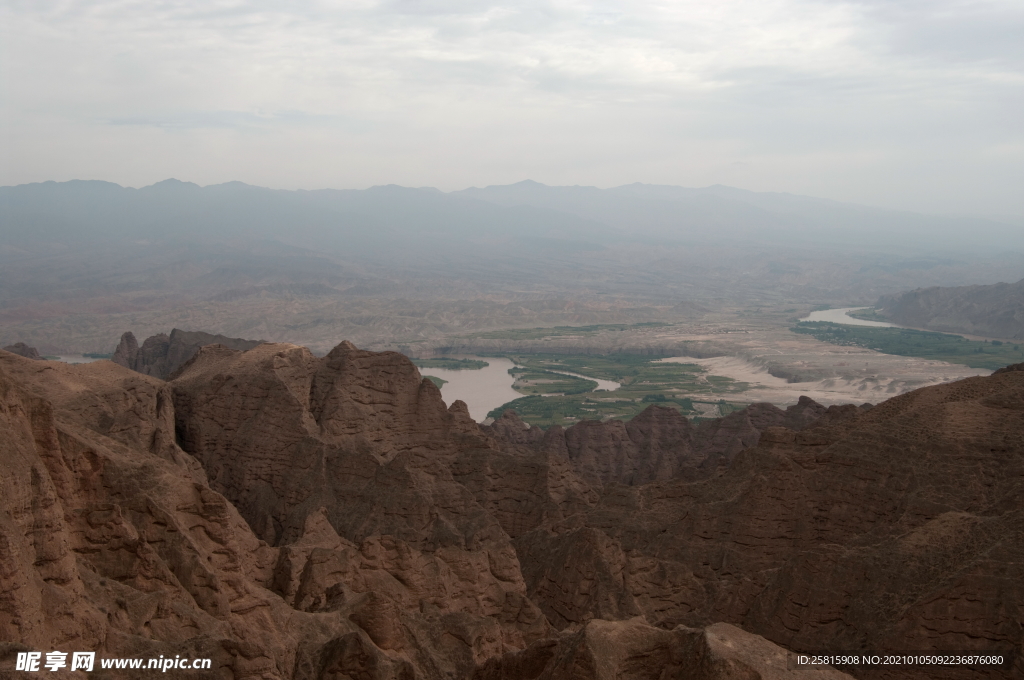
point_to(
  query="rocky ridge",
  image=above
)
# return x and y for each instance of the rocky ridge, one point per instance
(161, 355)
(23, 350)
(995, 311)
(298, 517)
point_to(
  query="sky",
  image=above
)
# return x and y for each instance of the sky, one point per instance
(911, 104)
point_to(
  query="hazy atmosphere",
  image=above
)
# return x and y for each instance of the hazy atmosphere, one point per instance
(911, 104)
(450, 340)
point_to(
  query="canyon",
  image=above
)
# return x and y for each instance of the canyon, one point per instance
(294, 516)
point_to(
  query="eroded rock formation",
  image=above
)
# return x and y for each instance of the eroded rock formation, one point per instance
(298, 517)
(608, 650)
(161, 355)
(23, 350)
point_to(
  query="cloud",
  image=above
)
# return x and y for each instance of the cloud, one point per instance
(861, 95)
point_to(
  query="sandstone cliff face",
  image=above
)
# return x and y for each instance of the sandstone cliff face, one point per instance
(111, 541)
(360, 448)
(720, 440)
(659, 443)
(161, 355)
(656, 444)
(882, 529)
(296, 517)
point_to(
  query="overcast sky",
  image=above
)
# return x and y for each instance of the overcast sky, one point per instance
(904, 103)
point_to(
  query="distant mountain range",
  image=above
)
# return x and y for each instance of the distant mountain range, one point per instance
(391, 220)
(649, 212)
(82, 261)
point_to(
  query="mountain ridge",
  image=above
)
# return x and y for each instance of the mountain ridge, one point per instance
(995, 311)
(296, 517)
(645, 211)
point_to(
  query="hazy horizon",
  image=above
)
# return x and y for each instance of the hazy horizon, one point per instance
(902, 105)
(1007, 218)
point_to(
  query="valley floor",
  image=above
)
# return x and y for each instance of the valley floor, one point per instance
(725, 358)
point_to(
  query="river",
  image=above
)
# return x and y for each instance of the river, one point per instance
(483, 390)
(488, 388)
(841, 316)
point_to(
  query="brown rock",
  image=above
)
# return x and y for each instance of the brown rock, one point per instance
(725, 652)
(296, 517)
(659, 443)
(807, 537)
(511, 428)
(380, 617)
(1010, 369)
(719, 441)
(523, 489)
(108, 542)
(161, 355)
(357, 451)
(656, 444)
(577, 576)
(23, 350)
(634, 650)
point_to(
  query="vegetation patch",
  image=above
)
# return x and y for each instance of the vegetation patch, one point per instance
(452, 364)
(568, 410)
(556, 331)
(535, 382)
(638, 374)
(911, 343)
(437, 381)
(643, 379)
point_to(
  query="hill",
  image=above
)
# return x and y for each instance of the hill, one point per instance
(81, 261)
(995, 311)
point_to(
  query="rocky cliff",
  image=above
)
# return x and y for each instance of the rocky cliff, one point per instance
(161, 355)
(289, 516)
(995, 311)
(23, 350)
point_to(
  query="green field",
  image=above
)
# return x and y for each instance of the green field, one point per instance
(452, 364)
(643, 381)
(437, 381)
(537, 333)
(924, 344)
(565, 411)
(535, 382)
(639, 375)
